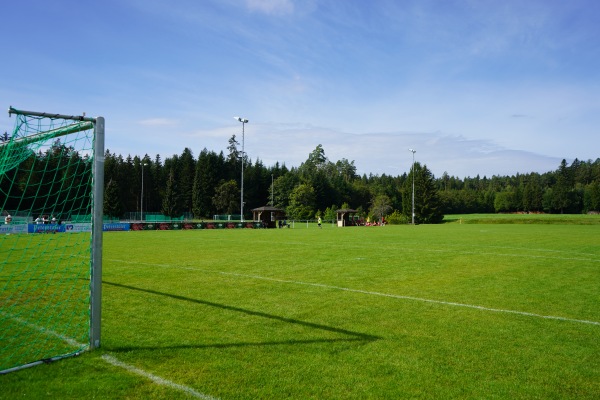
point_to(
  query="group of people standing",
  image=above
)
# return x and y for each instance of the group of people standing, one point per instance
(43, 219)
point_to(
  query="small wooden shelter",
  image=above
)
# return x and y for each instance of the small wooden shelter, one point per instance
(269, 216)
(345, 217)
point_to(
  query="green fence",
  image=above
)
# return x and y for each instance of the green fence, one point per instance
(161, 218)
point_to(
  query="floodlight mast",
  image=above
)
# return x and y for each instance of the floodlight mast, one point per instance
(244, 121)
(413, 185)
(142, 194)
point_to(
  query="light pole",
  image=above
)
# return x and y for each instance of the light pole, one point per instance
(142, 195)
(413, 185)
(272, 204)
(244, 121)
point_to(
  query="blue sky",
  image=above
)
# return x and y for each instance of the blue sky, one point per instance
(475, 87)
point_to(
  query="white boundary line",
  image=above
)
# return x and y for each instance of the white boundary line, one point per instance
(156, 379)
(393, 296)
(114, 361)
(49, 332)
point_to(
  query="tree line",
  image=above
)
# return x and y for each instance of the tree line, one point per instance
(52, 181)
(209, 184)
(200, 187)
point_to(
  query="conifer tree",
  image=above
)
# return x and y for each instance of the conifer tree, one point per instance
(428, 207)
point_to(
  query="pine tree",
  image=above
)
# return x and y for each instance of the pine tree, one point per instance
(112, 203)
(428, 207)
(187, 166)
(206, 179)
(171, 198)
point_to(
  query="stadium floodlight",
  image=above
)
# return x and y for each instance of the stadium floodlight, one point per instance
(244, 121)
(413, 185)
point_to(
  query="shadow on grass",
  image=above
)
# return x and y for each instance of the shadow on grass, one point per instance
(126, 349)
(353, 336)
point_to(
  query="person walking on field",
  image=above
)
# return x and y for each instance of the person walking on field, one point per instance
(319, 222)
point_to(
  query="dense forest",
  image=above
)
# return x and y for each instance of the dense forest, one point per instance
(209, 184)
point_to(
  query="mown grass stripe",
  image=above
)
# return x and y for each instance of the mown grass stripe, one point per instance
(395, 296)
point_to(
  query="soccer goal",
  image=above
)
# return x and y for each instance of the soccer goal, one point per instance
(51, 196)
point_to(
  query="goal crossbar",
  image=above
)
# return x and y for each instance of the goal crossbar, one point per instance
(12, 110)
(41, 136)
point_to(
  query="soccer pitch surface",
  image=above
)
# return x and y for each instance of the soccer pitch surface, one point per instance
(440, 311)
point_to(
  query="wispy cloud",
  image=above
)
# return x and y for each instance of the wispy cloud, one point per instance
(476, 87)
(382, 153)
(271, 7)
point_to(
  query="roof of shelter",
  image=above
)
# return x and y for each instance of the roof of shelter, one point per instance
(346, 210)
(267, 208)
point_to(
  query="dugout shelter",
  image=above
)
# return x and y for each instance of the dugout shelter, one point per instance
(268, 215)
(346, 217)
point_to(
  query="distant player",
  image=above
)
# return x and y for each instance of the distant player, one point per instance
(319, 222)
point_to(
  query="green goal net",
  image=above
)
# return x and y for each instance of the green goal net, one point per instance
(50, 176)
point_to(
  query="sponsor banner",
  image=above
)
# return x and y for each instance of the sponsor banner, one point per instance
(167, 226)
(136, 226)
(45, 228)
(13, 229)
(164, 226)
(8, 229)
(75, 228)
(191, 225)
(116, 226)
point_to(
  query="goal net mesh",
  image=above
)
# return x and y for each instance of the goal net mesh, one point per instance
(46, 167)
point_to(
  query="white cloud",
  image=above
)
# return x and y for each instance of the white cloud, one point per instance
(387, 153)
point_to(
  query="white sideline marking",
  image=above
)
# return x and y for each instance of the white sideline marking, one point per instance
(49, 332)
(156, 379)
(112, 360)
(394, 296)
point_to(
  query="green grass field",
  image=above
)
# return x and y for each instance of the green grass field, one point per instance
(470, 311)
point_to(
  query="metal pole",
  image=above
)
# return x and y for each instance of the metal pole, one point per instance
(142, 195)
(96, 269)
(65, 130)
(272, 204)
(242, 193)
(413, 185)
(244, 121)
(12, 110)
